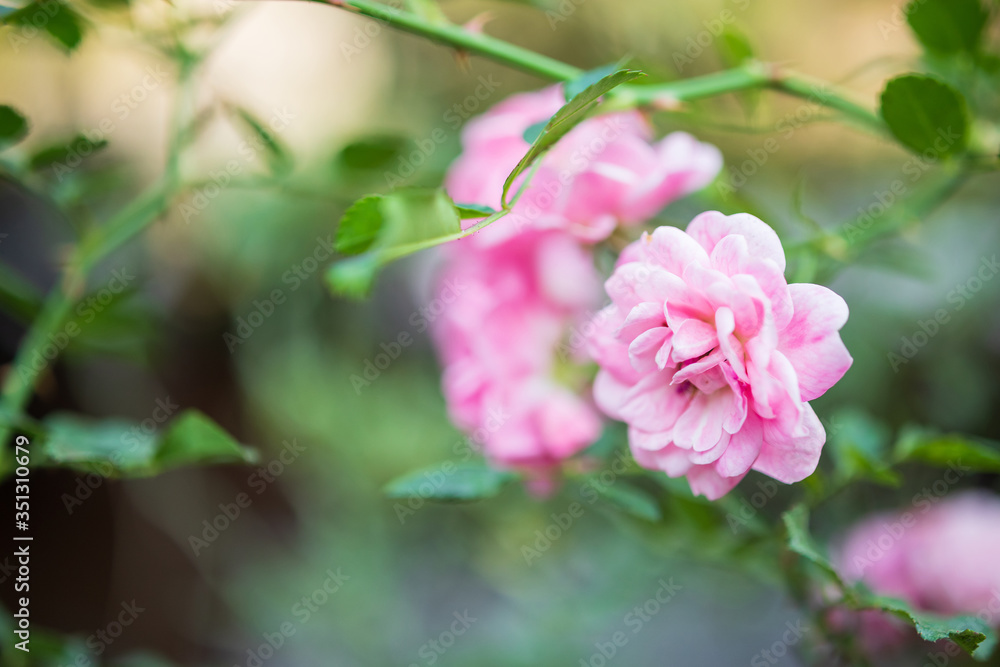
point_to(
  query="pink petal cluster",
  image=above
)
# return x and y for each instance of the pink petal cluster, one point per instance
(710, 357)
(942, 558)
(605, 172)
(503, 347)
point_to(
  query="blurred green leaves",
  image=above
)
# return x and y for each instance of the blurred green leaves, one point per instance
(948, 26)
(801, 542)
(119, 448)
(370, 153)
(18, 296)
(64, 154)
(451, 482)
(56, 18)
(277, 156)
(629, 499)
(944, 450)
(860, 448)
(926, 115)
(13, 126)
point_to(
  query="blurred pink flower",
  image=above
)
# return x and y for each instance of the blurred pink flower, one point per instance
(710, 357)
(605, 172)
(508, 368)
(943, 558)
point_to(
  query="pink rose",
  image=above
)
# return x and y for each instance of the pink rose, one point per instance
(508, 373)
(605, 172)
(711, 357)
(942, 558)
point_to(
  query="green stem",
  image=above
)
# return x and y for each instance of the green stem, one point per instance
(825, 94)
(23, 373)
(30, 361)
(752, 75)
(457, 36)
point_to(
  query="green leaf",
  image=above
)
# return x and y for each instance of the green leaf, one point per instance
(192, 438)
(13, 126)
(360, 225)
(370, 153)
(629, 499)
(926, 115)
(472, 211)
(353, 277)
(114, 447)
(278, 157)
(450, 481)
(84, 443)
(534, 131)
(416, 216)
(564, 120)
(573, 88)
(948, 26)
(947, 450)
(57, 19)
(385, 227)
(860, 448)
(66, 154)
(801, 542)
(972, 634)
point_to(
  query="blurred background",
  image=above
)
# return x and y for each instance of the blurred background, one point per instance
(300, 559)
